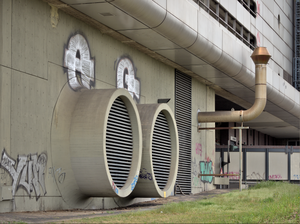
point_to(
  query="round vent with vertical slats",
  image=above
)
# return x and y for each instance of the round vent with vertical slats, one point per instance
(119, 143)
(161, 150)
(106, 143)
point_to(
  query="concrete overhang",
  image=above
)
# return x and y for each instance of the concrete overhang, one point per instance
(183, 35)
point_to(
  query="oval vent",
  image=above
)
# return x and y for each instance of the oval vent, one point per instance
(161, 151)
(119, 143)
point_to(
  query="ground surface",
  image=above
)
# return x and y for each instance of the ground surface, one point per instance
(58, 216)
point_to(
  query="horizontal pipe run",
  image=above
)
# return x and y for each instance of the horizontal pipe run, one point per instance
(217, 175)
(222, 128)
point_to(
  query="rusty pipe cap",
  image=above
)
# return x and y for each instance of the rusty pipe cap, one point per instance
(260, 55)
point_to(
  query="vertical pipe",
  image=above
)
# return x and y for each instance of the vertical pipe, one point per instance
(241, 157)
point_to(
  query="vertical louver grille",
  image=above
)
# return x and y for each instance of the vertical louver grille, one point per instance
(161, 151)
(119, 143)
(183, 102)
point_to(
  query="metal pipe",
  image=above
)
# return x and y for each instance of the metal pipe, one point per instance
(260, 57)
(241, 158)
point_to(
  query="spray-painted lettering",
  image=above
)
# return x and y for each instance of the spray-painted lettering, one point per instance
(28, 173)
(79, 64)
(206, 168)
(256, 176)
(61, 175)
(126, 77)
(144, 174)
(114, 186)
(198, 149)
(275, 176)
(233, 177)
(296, 176)
(134, 182)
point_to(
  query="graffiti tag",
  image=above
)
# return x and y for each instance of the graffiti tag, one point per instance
(198, 149)
(126, 77)
(275, 176)
(144, 174)
(114, 186)
(233, 177)
(28, 172)
(61, 175)
(134, 182)
(79, 64)
(206, 168)
(297, 176)
(256, 176)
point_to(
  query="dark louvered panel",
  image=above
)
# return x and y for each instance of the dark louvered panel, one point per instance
(161, 151)
(183, 105)
(119, 143)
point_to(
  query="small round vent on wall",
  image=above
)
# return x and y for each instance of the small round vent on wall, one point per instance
(160, 151)
(105, 143)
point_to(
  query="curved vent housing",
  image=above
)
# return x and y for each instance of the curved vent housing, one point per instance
(105, 143)
(161, 151)
(119, 143)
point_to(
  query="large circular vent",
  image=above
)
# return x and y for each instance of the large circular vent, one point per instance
(106, 143)
(119, 143)
(161, 150)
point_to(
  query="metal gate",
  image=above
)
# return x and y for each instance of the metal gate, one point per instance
(183, 102)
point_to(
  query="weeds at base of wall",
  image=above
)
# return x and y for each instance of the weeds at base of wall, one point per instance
(267, 202)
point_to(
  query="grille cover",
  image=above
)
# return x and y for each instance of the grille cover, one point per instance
(105, 143)
(160, 151)
(119, 143)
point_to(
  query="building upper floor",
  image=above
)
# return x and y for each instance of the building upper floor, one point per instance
(211, 40)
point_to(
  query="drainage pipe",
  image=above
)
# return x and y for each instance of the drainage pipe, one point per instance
(260, 57)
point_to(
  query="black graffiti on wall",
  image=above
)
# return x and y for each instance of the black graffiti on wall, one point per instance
(27, 172)
(126, 76)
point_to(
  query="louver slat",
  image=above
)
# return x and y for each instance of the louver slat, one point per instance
(183, 100)
(119, 143)
(161, 151)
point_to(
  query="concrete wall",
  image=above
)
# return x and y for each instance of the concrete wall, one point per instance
(203, 148)
(36, 99)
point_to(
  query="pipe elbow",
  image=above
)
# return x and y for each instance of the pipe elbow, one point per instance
(260, 57)
(254, 111)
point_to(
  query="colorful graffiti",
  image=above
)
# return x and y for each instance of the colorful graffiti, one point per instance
(198, 149)
(79, 64)
(275, 177)
(258, 39)
(144, 174)
(28, 172)
(296, 176)
(126, 77)
(134, 182)
(258, 7)
(233, 177)
(114, 186)
(206, 167)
